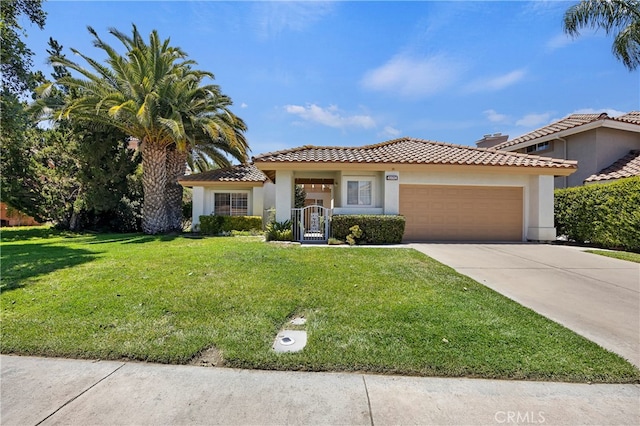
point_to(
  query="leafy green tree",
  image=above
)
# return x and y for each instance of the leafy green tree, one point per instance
(18, 177)
(153, 94)
(15, 56)
(76, 175)
(55, 165)
(621, 17)
(107, 188)
(17, 82)
(299, 197)
(78, 178)
(110, 194)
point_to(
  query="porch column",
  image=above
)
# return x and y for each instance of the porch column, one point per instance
(540, 227)
(197, 208)
(284, 195)
(391, 193)
(257, 196)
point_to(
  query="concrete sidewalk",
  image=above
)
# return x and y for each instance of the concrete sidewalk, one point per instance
(596, 296)
(79, 392)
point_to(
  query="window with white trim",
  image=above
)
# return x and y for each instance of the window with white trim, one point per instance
(359, 192)
(542, 146)
(230, 204)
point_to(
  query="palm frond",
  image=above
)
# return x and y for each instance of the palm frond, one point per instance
(626, 46)
(620, 16)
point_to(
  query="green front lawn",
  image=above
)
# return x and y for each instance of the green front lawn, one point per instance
(165, 299)
(622, 255)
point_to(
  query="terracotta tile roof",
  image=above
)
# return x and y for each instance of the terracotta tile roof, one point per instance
(411, 151)
(569, 122)
(239, 173)
(627, 166)
(566, 123)
(631, 117)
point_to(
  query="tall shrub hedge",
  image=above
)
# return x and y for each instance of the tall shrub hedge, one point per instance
(376, 229)
(215, 225)
(607, 214)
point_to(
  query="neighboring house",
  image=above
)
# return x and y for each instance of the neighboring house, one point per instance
(595, 141)
(446, 192)
(627, 166)
(12, 217)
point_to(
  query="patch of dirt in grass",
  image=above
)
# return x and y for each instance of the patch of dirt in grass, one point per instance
(210, 357)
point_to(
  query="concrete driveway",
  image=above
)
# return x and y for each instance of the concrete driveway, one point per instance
(595, 296)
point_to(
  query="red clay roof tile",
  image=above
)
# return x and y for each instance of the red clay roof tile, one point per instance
(239, 173)
(627, 166)
(569, 122)
(631, 117)
(411, 151)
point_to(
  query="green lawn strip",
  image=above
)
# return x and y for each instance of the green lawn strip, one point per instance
(165, 299)
(622, 255)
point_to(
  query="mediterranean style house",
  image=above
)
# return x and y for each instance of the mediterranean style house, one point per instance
(605, 147)
(446, 192)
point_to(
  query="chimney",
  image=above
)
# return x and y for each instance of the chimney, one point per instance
(489, 141)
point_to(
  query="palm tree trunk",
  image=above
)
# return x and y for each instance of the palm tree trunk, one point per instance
(154, 179)
(176, 168)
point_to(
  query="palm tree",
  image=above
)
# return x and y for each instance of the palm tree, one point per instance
(153, 94)
(620, 16)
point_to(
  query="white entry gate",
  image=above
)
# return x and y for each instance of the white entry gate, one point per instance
(311, 224)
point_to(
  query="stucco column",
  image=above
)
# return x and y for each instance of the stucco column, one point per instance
(284, 195)
(197, 209)
(540, 226)
(391, 193)
(257, 206)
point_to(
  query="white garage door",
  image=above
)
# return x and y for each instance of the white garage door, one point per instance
(461, 213)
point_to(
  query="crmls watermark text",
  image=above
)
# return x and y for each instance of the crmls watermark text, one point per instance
(516, 417)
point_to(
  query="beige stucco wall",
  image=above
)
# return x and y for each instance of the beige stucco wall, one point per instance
(325, 197)
(284, 194)
(203, 200)
(269, 196)
(537, 193)
(612, 144)
(377, 192)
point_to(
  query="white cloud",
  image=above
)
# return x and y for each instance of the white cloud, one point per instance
(274, 17)
(559, 41)
(497, 83)
(389, 132)
(493, 116)
(331, 116)
(413, 77)
(534, 120)
(244, 105)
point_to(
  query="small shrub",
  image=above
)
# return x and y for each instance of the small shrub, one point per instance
(376, 229)
(279, 231)
(334, 242)
(216, 225)
(355, 235)
(606, 215)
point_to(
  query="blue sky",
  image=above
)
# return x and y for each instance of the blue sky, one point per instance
(350, 73)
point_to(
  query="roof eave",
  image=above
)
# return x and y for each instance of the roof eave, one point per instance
(608, 123)
(563, 170)
(191, 184)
